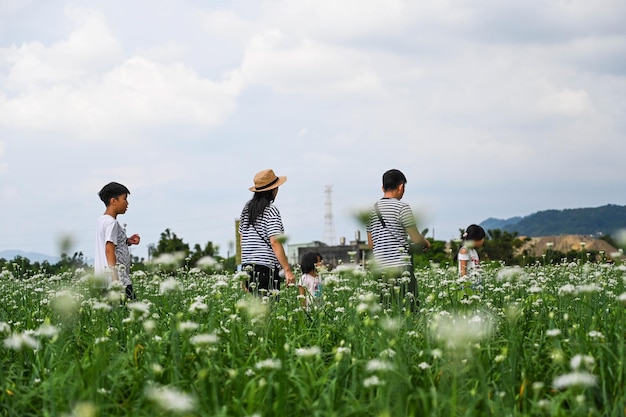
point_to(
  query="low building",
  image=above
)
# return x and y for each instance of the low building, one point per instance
(354, 252)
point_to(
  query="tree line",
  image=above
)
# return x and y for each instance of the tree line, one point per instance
(500, 246)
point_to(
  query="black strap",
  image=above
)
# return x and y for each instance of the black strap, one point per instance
(380, 217)
(267, 242)
(384, 225)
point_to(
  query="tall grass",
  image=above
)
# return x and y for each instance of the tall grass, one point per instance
(534, 341)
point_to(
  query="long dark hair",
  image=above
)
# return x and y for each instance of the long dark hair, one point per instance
(257, 205)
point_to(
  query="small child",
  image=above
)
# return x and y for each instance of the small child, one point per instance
(112, 260)
(469, 262)
(310, 284)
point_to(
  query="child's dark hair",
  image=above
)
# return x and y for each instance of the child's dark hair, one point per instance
(392, 179)
(112, 190)
(308, 261)
(473, 232)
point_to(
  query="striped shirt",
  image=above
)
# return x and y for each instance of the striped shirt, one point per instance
(255, 239)
(391, 246)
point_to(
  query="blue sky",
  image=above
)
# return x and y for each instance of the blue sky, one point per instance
(492, 109)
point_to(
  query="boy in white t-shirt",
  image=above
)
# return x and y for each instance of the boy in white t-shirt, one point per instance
(112, 256)
(310, 284)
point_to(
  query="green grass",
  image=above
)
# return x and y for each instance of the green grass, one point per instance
(203, 347)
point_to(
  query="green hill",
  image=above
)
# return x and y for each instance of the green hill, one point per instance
(582, 221)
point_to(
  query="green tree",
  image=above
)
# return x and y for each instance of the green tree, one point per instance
(199, 253)
(501, 246)
(170, 243)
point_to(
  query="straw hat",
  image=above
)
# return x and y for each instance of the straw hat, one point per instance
(267, 180)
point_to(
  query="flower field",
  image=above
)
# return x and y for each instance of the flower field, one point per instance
(534, 341)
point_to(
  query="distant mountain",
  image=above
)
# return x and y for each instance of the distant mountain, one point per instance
(582, 221)
(492, 223)
(11, 254)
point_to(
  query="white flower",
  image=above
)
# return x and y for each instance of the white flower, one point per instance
(138, 310)
(206, 261)
(588, 289)
(5, 327)
(204, 339)
(459, 331)
(372, 381)
(169, 285)
(387, 353)
(197, 305)
(511, 273)
(579, 379)
(19, 341)
(341, 351)
(309, 352)
(567, 289)
(99, 340)
(423, 365)
(169, 258)
(269, 364)
(379, 365)
(553, 332)
(100, 306)
(579, 360)
(47, 330)
(253, 307)
(149, 325)
(595, 334)
(185, 326)
(83, 409)
(171, 399)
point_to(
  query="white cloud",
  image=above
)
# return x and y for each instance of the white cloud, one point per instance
(226, 24)
(3, 165)
(571, 103)
(327, 19)
(305, 66)
(79, 86)
(136, 94)
(88, 48)
(506, 96)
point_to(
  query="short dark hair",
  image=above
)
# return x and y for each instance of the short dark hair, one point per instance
(392, 179)
(474, 232)
(112, 190)
(308, 261)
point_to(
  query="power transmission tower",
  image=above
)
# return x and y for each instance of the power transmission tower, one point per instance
(329, 225)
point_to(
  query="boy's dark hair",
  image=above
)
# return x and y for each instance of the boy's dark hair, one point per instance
(392, 179)
(474, 232)
(308, 261)
(112, 190)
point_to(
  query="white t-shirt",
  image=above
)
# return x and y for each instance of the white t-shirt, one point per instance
(109, 230)
(313, 287)
(473, 262)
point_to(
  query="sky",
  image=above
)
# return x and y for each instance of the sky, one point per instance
(490, 108)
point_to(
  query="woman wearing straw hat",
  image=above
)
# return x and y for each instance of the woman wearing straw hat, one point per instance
(260, 228)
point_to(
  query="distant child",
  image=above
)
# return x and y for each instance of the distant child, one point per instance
(469, 262)
(310, 284)
(112, 259)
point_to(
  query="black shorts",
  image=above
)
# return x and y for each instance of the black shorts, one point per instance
(263, 277)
